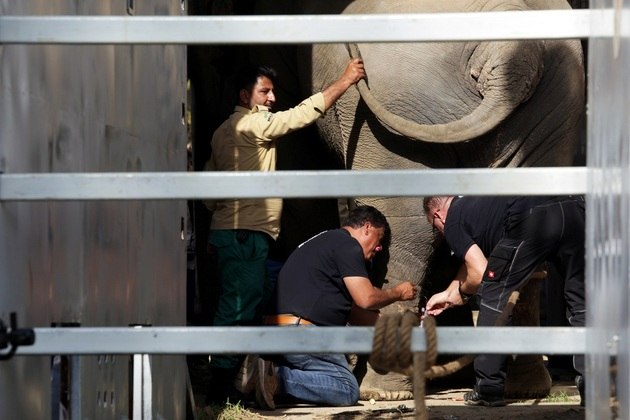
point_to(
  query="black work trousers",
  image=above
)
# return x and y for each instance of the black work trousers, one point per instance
(553, 232)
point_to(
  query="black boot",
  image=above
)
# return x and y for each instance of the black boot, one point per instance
(579, 384)
(221, 389)
(474, 397)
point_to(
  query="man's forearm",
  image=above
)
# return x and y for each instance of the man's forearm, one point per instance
(334, 91)
(379, 298)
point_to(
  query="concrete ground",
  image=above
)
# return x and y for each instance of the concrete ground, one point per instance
(444, 400)
(443, 404)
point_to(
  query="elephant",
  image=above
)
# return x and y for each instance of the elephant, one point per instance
(480, 104)
(443, 105)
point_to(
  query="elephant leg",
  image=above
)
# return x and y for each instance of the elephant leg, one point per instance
(442, 267)
(527, 376)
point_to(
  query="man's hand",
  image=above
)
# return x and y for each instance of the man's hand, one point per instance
(355, 71)
(407, 290)
(439, 302)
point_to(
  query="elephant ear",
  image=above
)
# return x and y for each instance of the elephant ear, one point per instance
(505, 74)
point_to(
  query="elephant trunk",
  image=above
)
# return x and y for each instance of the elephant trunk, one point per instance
(505, 74)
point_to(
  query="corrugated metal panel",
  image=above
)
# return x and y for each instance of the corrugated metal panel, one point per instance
(102, 109)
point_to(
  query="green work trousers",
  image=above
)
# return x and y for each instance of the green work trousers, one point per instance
(245, 288)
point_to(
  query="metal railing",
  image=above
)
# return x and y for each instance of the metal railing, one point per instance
(594, 24)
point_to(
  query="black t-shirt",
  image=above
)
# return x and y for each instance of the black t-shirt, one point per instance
(474, 220)
(311, 284)
(481, 220)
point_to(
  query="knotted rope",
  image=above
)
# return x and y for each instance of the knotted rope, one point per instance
(391, 351)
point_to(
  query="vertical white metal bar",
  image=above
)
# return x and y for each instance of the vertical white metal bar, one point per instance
(142, 386)
(608, 212)
(147, 388)
(137, 387)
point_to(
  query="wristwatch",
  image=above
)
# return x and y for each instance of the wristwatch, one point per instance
(465, 296)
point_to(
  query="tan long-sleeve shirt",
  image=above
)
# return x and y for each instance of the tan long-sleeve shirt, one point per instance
(246, 141)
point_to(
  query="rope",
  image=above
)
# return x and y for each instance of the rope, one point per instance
(391, 351)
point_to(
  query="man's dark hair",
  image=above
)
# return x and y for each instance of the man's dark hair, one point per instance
(247, 76)
(362, 214)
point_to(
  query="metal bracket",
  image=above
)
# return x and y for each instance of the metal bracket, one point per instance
(13, 337)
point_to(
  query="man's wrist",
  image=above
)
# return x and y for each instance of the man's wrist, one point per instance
(463, 295)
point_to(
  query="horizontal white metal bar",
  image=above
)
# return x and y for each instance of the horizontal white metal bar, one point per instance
(269, 340)
(296, 29)
(291, 184)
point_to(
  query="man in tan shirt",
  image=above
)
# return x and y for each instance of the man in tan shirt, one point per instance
(241, 229)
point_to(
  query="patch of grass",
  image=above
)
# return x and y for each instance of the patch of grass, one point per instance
(560, 396)
(226, 412)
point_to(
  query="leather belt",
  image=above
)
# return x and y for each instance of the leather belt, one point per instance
(285, 319)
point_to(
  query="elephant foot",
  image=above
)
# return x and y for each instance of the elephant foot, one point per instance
(527, 378)
(383, 395)
(389, 387)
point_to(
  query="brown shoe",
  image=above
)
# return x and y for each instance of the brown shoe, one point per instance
(246, 378)
(266, 385)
